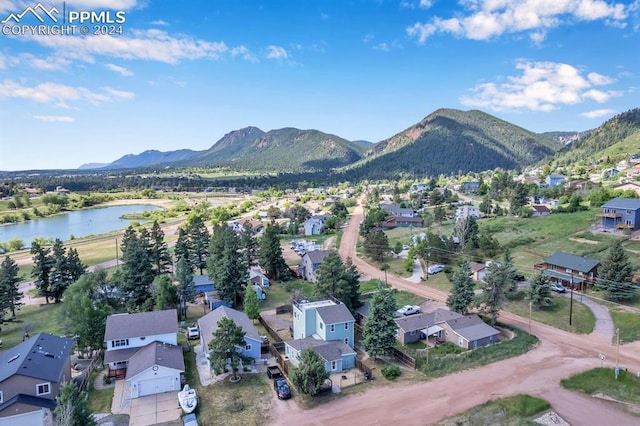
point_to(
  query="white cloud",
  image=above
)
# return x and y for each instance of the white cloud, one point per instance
(120, 70)
(382, 46)
(153, 44)
(3, 62)
(160, 23)
(324, 16)
(368, 38)
(55, 118)
(541, 86)
(103, 4)
(60, 94)
(426, 3)
(50, 63)
(597, 113)
(488, 19)
(276, 52)
(244, 53)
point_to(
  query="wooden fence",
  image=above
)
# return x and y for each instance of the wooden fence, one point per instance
(403, 358)
(276, 350)
(284, 309)
(274, 335)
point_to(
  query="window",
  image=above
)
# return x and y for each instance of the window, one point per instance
(413, 333)
(120, 364)
(460, 341)
(346, 325)
(346, 340)
(321, 326)
(43, 389)
(333, 366)
(1, 397)
(569, 270)
(247, 348)
(333, 328)
(119, 343)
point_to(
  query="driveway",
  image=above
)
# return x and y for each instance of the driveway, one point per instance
(148, 410)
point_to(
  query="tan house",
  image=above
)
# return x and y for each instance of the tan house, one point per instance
(570, 270)
(540, 210)
(479, 271)
(31, 375)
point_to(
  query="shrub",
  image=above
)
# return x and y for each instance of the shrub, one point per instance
(106, 380)
(390, 372)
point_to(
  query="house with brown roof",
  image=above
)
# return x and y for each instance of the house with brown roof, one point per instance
(31, 375)
(540, 210)
(143, 349)
(479, 271)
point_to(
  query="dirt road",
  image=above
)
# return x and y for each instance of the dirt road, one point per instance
(559, 355)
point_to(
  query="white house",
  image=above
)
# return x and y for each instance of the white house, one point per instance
(142, 348)
(314, 225)
(466, 211)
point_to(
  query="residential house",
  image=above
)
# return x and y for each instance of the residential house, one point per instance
(238, 225)
(143, 348)
(327, 327)
(310, 263)
(629, 186)
(470, 186)
(394, 209)
(569, 270)
(403, 222)
(634, 172)
(420, 187)
(479, 271)
(463, 212)
(256, 276)
(540, 210)
(314, 225)
(31, 375)
(202, 284)
(554, 180)
(621, 213)
(611, 172)
(208, 325)
(468, 331)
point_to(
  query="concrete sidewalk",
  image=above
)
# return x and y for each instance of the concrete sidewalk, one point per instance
(604, 323)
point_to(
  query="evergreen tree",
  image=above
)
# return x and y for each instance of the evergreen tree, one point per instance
(439, 214)
(338, 280)
(199, 236)
(271, 255)
(539, 292)
(375, 245)
(462, 294)
(226, 266)
(181, 249)
(186, 292)
(251, 303)
(137, 271)
(59, 277)
(223, 347)
(74, 264)
(71, 408)
(379, 333)
(166, 293)
(42, 264)
(159, 250)
(496, 285)
(519, 198)
(10, 295)
(616, 273)
(249, 245)
(310, 374)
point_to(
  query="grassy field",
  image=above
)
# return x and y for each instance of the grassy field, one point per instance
(557, 316)
(402, 297)
(450, 361)
(628, 323)
(625, 388)
(41, 319)
(513, 410)
(279, 293)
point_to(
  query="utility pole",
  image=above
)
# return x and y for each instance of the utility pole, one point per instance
(530, 308)
(571, 302)
(116, 252)
(428, 258)
(617, 345)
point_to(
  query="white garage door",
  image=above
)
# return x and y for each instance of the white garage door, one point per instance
(34, 418)
(154, 386)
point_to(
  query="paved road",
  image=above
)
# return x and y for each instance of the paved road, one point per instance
(537, 372)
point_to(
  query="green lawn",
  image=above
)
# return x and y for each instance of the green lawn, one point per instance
(512, 410)
(582, 319)
(402, 297)
(99, 401)
(625, 388)
(628, 323)
(41, 318)
(279, 293)
(438, 281)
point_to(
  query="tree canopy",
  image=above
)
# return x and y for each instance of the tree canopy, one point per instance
(379, 333)
(339, 280)
(461, 295)
(310, 374)
(225, 348)
(615, 275)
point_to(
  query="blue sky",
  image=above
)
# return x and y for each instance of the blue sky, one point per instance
(184, 73)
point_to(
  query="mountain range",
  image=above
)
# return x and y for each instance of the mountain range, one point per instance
(444, 142)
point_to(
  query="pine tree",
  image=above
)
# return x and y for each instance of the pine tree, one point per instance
(616, 273)
(462, 294)
(199, 235)
(159, 253)
(59, 278)
(181, 249)
(338, 280)
(186, 291)
(71, 408)
(10, 295)
(249, 245)
(226, 266)
(166, 293)
(271, 255)
(310, 374)
(42, 264)
(223, 346)
(375, 245)
(498, 282)
(74, 264)
(539, 292)
(379, 333)
(137, 271)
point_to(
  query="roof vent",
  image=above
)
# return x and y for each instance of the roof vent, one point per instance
(49, 355)
(13, 358)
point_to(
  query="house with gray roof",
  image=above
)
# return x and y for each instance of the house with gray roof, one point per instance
(128, 334)
(327, 325)
(570, 270)
(209, 324)
(466, 331)
(310, 263)
(31, 375)
(621, 213)
(394, 209)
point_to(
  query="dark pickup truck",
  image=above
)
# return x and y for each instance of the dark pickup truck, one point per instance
(273, 372)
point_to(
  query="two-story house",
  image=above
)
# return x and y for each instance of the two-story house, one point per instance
(554, 179)
(463, 212)
(143, 348)
(570, 270)
(621, 213)
(470, 186)
(310, 263)
(394, 209)
(208, 325)
(314, 225)
(31, 375)
(327, 327)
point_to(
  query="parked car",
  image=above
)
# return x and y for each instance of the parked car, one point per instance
(409, 310)
(274, 372)
(434, 269)
(190, 420)
(557, 287)
(282, 388)
(193, 332)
